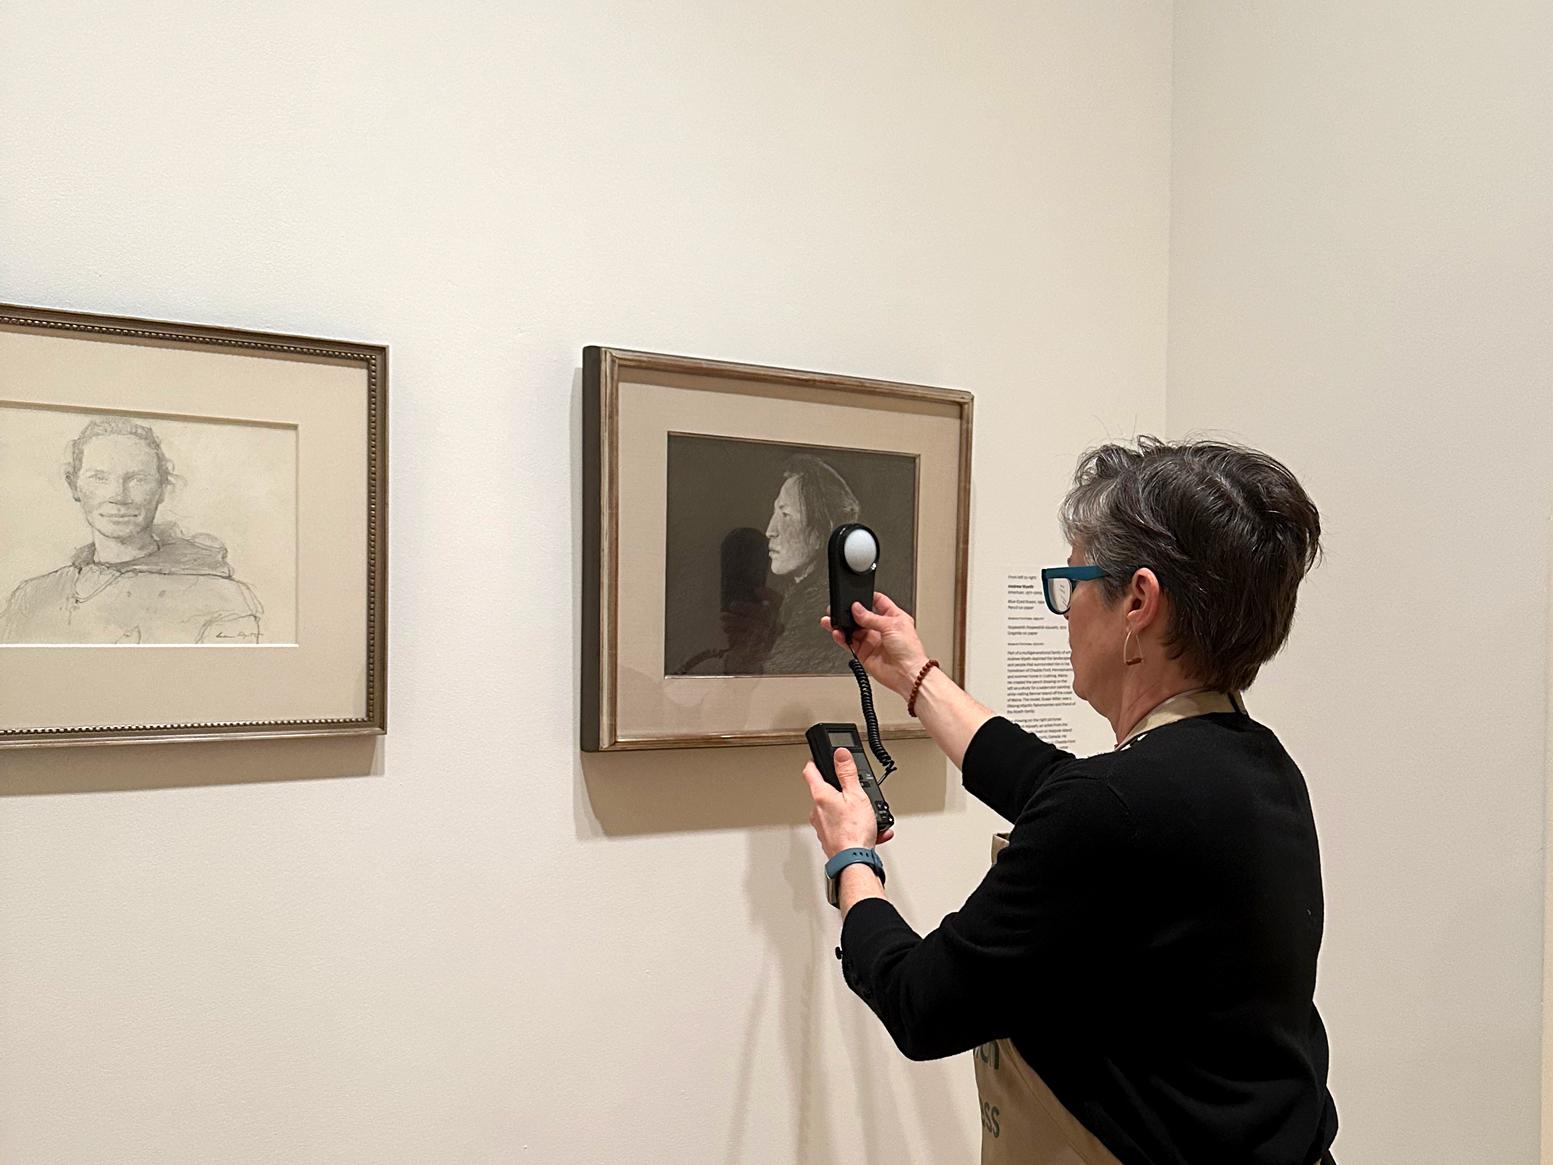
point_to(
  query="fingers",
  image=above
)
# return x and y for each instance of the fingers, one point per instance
(884, 611)
(866, 619)
(846, 771)
(839, 636)
(886, 605)
(817, 784)
(885, 836)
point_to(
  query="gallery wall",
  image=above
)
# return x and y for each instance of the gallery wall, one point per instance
(467, 943)
(1362, 281)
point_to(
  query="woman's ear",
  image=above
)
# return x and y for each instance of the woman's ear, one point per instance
(1145, 597)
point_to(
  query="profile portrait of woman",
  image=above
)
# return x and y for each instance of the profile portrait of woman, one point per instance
(812, 501)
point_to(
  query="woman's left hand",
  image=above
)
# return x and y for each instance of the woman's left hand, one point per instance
(844, 818)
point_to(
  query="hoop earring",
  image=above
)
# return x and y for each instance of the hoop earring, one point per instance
(1128, 658)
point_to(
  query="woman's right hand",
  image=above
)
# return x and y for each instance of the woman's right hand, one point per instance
(886, 643)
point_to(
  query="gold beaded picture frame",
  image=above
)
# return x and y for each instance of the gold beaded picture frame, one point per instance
(194, 538)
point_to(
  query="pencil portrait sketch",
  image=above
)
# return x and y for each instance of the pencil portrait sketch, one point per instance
(193, 532)
(748, 524)
(140, 578)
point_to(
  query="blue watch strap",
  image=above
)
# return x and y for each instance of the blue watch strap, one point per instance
(849, 857)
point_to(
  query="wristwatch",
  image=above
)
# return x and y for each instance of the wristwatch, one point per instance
(841, 861)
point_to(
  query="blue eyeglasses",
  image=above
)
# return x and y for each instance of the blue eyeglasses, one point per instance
(1057, 584)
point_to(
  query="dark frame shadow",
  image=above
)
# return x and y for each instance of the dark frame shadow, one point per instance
(118, 768)
(630, 794)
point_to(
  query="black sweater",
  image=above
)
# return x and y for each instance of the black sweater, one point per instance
(1147, 940)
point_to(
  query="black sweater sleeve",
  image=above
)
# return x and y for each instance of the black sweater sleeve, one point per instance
(1004, 765)
(1040, 924)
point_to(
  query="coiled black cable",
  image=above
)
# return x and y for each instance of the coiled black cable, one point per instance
(870, 717)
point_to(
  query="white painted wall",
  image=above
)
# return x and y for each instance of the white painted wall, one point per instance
(473, 946)
(1362, 283)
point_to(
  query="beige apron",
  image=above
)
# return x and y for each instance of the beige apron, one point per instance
(1022, 1121)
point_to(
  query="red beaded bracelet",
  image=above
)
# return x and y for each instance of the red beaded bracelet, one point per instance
(911, 701)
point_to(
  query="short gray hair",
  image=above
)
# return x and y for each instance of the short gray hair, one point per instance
(1228, 530)
(117, 427)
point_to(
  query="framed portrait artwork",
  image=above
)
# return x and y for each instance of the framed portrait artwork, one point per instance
(194, 532)
(710, 491)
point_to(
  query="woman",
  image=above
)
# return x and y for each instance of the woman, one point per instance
(771, 630)
(138, 580)
(813, 500)
(1136, 970)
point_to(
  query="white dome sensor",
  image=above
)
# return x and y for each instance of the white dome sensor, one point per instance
(861, 550)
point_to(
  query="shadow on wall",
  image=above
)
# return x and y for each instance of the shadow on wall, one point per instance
(121, 768)
(624, 794)
(799, 1009)
(800, 995)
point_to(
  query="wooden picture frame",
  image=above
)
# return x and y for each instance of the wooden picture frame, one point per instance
(196, 532)
(706, 485)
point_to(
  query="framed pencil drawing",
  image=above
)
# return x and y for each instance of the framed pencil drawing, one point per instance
(710, 489)
(194, 532)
